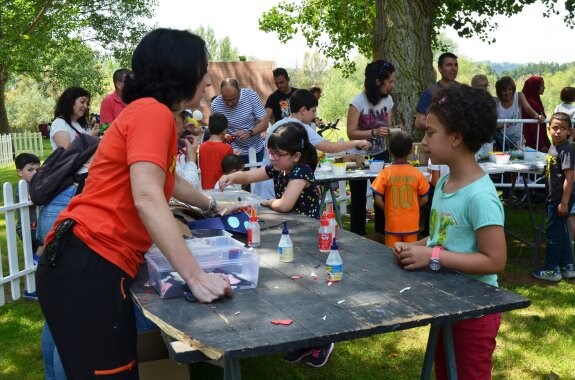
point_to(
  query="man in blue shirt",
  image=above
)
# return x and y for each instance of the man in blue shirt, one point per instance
(246, 115)
(447, 66)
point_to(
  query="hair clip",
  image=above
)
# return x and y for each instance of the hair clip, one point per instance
(302, 143)
(443, 100)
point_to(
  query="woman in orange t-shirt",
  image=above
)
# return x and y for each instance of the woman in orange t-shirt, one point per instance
(98, 243)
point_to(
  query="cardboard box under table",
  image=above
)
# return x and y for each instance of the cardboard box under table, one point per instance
(219, 254)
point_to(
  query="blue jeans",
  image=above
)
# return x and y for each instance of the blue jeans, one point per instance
(53, 368)
(49, 213)
(558, 241)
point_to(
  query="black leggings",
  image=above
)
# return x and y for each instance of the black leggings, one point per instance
(88, 308)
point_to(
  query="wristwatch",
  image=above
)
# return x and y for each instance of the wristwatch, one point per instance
(251, 132)
(434, 263)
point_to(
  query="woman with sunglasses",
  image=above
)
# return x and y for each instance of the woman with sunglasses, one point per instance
(98, 243)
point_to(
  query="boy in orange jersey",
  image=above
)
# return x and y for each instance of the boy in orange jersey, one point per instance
(400, 190)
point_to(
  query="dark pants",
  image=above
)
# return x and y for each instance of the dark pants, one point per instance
(87, 306)
(558, 241)
(357, 208)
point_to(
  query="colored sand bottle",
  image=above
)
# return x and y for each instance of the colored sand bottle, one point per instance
(324, 235)
(334, 265)
(253, 230)
(332, 223)
(285, 246)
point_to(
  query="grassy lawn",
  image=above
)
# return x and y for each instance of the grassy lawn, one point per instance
(533, 343)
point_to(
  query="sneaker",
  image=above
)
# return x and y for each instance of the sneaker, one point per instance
(295, 356)
(32, 296)
(547, 274)
(319, 355)
(568, 271)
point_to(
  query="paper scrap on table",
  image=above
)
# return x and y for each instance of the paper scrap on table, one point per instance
(285, 322)
(295, 277)
(324, 317)
(365, 270)
(237, 312)
(329, 283)
(341, 301)
(404, 289)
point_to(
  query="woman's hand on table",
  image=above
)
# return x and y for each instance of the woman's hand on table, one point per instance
(208, 287)
(363, 144)
(411, 257)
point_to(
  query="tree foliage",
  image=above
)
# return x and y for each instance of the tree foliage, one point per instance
(338, 27)
(63, 40)
(220, 50)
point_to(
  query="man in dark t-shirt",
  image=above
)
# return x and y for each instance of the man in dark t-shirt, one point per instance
(277, 105)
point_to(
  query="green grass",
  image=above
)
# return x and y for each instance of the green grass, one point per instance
(533, 343)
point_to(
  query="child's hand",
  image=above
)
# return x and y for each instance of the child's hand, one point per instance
(225, 181)
(363, 144)
(397, 249)
(265, 202)
(413, 257)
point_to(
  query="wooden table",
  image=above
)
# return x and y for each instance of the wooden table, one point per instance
(376, 296)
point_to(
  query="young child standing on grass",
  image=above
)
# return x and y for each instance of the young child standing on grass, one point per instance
(293, 161)
(405, 191)
(466, 226)
(559, 201)
(27, 165)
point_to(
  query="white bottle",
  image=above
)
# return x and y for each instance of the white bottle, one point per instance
(253, 230)
(332, 223)
(285, 246)
(334, 265)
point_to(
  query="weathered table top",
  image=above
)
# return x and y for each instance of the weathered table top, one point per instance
(375, 296)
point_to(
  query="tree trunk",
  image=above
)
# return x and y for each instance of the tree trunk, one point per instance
(4, 125)
(403, 34)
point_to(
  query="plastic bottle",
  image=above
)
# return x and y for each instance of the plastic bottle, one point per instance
(285, 246)
(334, 265)
(332, 223)
(324, 235)
(253, 230)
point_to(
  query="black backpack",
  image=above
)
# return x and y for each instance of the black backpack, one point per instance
(59, 170)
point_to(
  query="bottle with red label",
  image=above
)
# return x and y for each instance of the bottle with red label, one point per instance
(253, 230)
(324, 235)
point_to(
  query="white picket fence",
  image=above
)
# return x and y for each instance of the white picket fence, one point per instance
(20, 142)
(15, 257)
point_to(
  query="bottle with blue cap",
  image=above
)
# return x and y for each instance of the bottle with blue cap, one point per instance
(285, 246)
(334, 265)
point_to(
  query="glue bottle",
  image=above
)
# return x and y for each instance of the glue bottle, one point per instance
(334, 265)
(332, 223)
(324, 235)
(285, 246)
(253, 230)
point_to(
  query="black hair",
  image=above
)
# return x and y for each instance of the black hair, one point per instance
(302, 98)
(279, 72)
(65, 105)
(292, 138)
(380, 69)
(24, 159)
(217, 123)
(232, 163)
(568, 94)
(471, 112)
(168, 65)
(503, 84)
(400, 144)
(561, 116)
(443, 56)
(120, 75)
